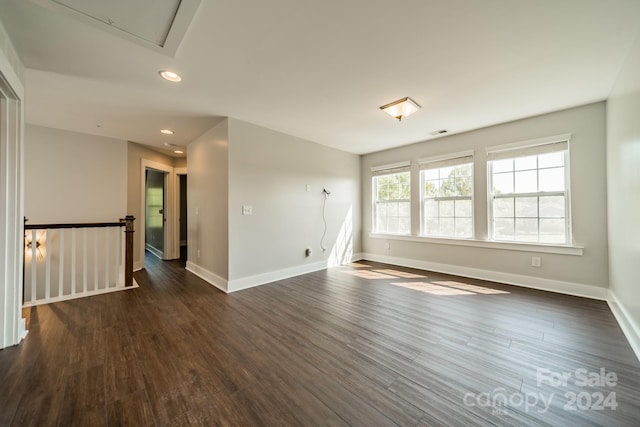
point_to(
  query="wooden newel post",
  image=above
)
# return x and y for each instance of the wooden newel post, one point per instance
(128, 251)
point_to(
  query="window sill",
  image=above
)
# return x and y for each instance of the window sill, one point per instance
(510, 246)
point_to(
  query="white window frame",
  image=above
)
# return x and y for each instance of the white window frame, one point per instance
(383, 170)
(557, 143)
(455, 159)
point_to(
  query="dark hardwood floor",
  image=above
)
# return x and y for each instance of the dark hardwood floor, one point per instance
(363, 345)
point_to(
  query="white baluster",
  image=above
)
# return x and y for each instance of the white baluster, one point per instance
(106, 254)
(61, 262)
(84, 260)
(73, 261)
(47, 262)
(119, 257)
(95, 258)
(34, 258)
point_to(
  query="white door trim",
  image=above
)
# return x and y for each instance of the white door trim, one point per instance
(169, 250)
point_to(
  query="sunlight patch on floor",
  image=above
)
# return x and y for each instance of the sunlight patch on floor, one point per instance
(471, 288)
(431, 288)
(403, 274)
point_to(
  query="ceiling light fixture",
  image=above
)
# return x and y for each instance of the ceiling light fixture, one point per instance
(176, 148)
(166, 131)
(170, 76)
(401, 108)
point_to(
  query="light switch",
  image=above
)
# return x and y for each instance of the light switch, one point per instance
(308, 187)
(247, 210)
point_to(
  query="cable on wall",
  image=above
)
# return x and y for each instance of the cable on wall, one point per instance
(326, 194)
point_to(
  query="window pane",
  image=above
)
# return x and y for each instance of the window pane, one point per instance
(404, 225)
(552, 231)
(527, 207)
(404, 192)
(431, 174)
(448, 187)
(503, 183)
(381, 209)
(404, 209)
(383, 191)
(392, 209)
(392, 224)
(447, 227)
(432, 226)
(464, 227)
(464, 170)
(381, 224)
(463, 208)
(502, 165)
(526, 182)
(446, 199)
(526, 230)
(540, 217)
(446, 172)
(503, 229)
(503, 207)
(431, 208)
(551, 160)
(393, 191)
(526, 163)
(552, 179)
(391, 214)
(464, 187)
(552, 207)
(446, 208)
(431, 188)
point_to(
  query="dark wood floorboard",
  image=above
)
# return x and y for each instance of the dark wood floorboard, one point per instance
(361, 345)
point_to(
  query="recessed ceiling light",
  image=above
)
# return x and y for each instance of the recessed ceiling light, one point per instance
(178, 151)
(167, 131)
(170, 76)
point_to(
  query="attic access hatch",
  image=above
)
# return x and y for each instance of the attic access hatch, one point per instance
(156, 24)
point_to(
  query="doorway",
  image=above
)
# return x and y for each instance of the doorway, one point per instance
(155, 217)
(182, 189)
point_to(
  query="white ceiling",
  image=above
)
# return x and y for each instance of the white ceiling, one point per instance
(319, 70)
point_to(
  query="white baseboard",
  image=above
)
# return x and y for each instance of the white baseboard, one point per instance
(285, 273)
(629, 326)
(272, 276)
(208, 276)
(558, 286)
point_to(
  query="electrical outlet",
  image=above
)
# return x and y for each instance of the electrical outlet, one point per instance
(535, 261)
(307, 252)
(198, 253)
(247, 210)
(387, 245)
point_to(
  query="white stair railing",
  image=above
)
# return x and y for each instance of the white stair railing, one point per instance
(66, 261)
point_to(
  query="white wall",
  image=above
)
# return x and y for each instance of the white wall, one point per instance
(582, 275)
(207, 199)
(238, 164)
(74, 177)
(269, 171)
(623, 174)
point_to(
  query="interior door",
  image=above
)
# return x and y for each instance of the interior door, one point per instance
(155, 212)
